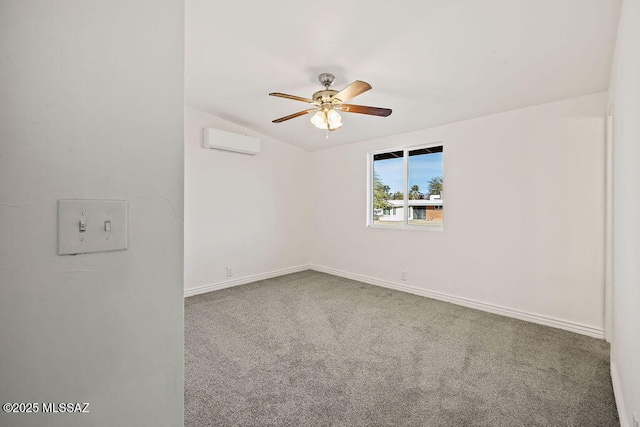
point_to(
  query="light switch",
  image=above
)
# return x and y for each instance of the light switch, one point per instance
(86, 226)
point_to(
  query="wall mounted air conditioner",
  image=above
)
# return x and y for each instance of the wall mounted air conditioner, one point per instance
(228, 141)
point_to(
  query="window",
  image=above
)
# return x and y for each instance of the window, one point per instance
(407, 182)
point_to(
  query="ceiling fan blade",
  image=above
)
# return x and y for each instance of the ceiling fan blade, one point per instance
(353, 90)
(361, 109)
(296, 98)
(294, 115)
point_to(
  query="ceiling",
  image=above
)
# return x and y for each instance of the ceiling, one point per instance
(431, 61)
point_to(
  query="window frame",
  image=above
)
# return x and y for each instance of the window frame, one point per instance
(405, 161)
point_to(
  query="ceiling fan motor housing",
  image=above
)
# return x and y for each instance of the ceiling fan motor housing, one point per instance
(322, 97)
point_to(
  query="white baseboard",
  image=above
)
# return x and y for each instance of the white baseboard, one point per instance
(617, 392)
(491, 308)
(243, 280)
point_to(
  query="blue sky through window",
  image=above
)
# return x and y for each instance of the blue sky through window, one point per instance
(421, 169)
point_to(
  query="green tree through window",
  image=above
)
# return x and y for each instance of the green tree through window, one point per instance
(435, 185)
(381, 196)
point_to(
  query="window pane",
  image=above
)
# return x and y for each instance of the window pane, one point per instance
(425, 187)
(388, 185)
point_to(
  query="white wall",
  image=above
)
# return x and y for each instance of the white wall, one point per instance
(538, 249)
(626, 213)
(92, 107)
(249, 213)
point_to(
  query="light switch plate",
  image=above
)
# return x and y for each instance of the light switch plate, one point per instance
(97, 216)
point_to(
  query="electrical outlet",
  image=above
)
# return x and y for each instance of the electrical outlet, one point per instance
(403, 275)
(229, 272)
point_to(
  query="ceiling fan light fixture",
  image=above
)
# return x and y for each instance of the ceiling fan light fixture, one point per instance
(334, 120)
(327, 119)
(319, 120)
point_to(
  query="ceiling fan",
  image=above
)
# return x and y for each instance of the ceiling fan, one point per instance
(328, 102)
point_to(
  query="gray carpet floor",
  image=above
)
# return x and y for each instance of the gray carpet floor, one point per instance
(311, 349)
